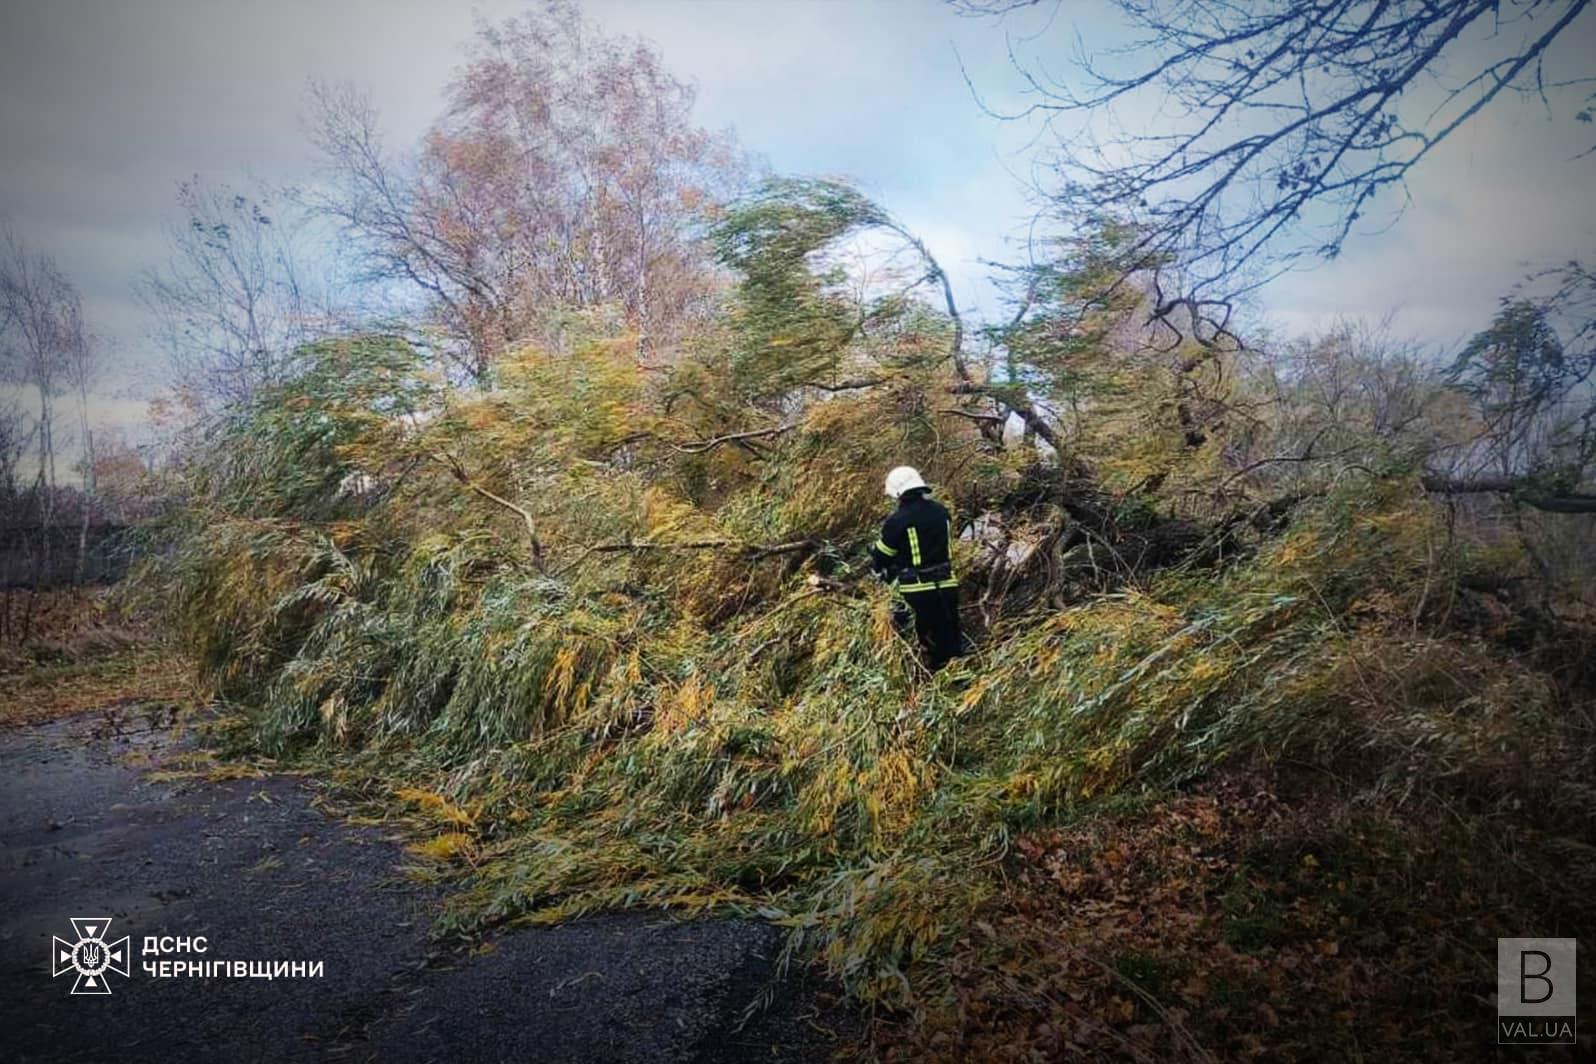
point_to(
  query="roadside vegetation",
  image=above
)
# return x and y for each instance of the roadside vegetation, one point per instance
(1239, 730)
(1283, 703)
(83, 652)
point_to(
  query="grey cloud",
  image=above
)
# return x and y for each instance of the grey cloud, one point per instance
(105, 106)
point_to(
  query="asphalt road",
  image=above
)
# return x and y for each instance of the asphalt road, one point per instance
(262, 875)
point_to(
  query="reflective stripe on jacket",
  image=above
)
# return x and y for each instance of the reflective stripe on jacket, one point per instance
(914, 544)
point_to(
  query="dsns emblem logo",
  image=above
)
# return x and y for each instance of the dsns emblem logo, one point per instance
(90, 956)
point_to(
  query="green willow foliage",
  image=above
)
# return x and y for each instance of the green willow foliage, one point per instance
(619, 617)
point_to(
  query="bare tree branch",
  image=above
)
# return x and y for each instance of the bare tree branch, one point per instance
(1281, 125)
(700, 446)
(458, 471)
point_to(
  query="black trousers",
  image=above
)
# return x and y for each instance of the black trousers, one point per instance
(934, 614)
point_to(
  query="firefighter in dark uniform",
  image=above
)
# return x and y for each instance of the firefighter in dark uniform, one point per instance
(914, 551)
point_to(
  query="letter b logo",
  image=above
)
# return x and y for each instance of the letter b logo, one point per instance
(1527, 957)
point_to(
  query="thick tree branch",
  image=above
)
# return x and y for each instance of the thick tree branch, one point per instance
(935, 272)
(852, 384)
(700, 446)
(1013, 399)
(752, 551)
(459, 473)
(1522, 489)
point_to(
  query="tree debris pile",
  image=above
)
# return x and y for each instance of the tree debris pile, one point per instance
(611, 622)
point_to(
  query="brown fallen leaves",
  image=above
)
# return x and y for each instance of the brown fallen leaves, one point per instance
(80, 653)
(1234, 923)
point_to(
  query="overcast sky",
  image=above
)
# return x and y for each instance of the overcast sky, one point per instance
(107, 105)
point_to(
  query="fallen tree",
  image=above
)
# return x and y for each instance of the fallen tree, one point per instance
(619, 620)
(1528, 490)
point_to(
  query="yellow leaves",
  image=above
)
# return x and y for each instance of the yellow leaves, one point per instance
(840, 417)
(344, 534)
(690, 701)
(437, 806)
(883, 628)
(977, 691)
(880, 797)
(481, 417)
(561, 678)
(1021, 785)
(454, 844)
(827, 792)
(1300, 545)
(335, 713)
(1105, 766)
(207, 769)
(893, 788)
(1206, 667)
(450, 846)
(669, 519)
(574, 402)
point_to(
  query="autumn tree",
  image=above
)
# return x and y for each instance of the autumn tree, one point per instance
(237, 294)
(83, 358)
(126, 478)
(14, 433)
(43, 319)
(564, 174)
(46, 352)
(1528, 378)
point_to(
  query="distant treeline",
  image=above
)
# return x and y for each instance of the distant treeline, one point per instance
(34, 556)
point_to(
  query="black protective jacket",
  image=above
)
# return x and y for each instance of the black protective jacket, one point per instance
(913, 548)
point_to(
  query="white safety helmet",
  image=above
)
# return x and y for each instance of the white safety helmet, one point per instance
(902, 479)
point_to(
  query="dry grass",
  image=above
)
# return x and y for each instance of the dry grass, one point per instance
(85, 654)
